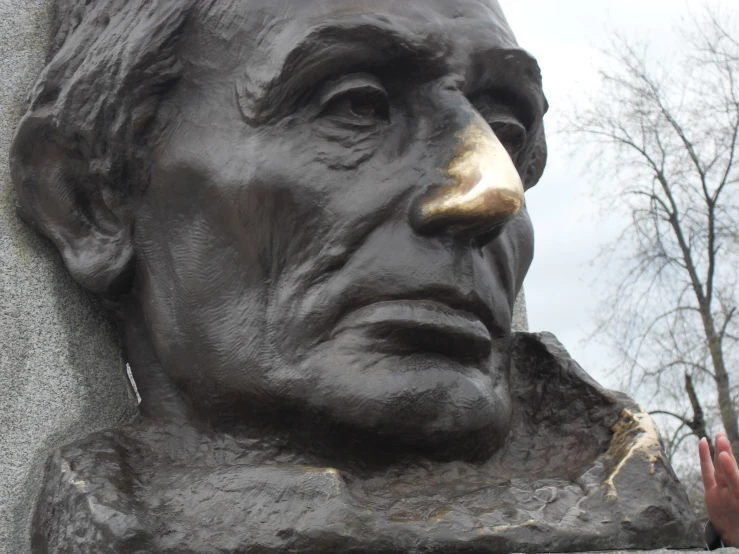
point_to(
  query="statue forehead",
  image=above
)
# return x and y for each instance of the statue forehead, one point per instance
(280, 24)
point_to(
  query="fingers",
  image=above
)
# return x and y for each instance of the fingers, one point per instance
(707, 471)
(730, 471)
(723, 445)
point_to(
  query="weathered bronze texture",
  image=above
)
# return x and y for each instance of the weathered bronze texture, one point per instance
(307, 218)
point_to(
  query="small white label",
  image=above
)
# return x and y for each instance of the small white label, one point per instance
(133, 384)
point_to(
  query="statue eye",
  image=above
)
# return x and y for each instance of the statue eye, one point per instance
(358, 99)
(506, 126)
(511, 134)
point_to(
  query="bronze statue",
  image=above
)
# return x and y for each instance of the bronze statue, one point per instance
(308, 219)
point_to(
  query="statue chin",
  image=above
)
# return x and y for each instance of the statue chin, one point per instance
(432, 407)
(445, 407)
(470, 423)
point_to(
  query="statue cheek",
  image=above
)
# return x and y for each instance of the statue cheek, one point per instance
(346, 149)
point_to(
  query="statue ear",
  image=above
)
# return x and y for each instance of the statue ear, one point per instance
(87, 219)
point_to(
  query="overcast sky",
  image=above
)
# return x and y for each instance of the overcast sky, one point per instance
(566, 36)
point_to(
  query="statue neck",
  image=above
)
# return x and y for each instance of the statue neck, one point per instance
(161, 401)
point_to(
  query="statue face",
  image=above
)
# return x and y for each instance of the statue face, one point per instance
(300, 246)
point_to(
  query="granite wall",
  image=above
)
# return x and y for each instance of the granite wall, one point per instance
(520, 315)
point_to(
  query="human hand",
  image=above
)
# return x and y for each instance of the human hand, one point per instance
(721, 483)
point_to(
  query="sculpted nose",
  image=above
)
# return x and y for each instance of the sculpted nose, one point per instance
(484, 190)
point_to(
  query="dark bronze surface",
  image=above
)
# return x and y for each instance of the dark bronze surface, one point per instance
(305, 217)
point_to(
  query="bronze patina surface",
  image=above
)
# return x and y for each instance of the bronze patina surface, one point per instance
(307, 219)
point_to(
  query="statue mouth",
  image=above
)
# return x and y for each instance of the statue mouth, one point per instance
(423, 326)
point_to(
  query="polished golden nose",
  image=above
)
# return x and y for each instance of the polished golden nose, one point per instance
(484, 192)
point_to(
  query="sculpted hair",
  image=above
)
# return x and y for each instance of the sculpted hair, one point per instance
(109, 63)
(81, 149)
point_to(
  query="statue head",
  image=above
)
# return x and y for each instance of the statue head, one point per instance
(308, 218)
(311, 208)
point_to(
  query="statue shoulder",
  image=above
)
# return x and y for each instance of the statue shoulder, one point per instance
(88, 500)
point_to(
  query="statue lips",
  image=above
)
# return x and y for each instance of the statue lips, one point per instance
(446, 324)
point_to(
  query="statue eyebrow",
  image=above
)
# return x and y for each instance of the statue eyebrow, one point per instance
(511, 75)
(331, 50)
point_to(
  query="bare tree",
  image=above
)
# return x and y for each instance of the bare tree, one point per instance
(667, 136)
